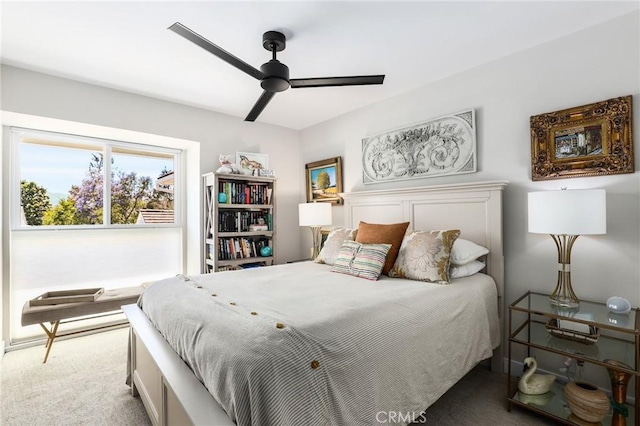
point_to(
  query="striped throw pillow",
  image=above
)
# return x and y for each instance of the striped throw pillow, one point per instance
(361, 260)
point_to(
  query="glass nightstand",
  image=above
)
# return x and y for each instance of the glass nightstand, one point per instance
(588, 334)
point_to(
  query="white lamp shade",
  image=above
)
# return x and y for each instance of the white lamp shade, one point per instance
(568, 212)
(314, 214)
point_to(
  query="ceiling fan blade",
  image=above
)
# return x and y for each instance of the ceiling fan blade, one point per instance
(361, 80)
(185, 32)
(262, 102)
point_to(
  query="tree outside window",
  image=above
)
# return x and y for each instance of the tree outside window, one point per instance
(62, 183)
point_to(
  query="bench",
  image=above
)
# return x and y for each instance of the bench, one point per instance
(110, 300)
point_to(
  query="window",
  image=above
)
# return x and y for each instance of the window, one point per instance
(67, 180)
(100, 253)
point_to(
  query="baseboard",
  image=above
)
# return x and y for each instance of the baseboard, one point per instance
(1, 350)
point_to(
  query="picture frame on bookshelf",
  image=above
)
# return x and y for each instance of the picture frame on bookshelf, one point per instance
(249, 161)
(324, 180)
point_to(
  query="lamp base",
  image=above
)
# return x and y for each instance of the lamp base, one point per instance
(317, 241)
(564, 302)
(563, 295)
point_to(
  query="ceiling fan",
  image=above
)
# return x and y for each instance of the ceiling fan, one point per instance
(273, 75)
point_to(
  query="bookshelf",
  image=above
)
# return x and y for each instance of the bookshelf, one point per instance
(238, 222)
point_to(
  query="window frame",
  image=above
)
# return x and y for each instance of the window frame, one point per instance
(17, 133)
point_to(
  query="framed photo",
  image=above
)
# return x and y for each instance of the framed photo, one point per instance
(249, 161)
(437, 147)
(324, 180)
(589, 140)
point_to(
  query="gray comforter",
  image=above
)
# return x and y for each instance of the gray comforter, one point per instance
(297, 344)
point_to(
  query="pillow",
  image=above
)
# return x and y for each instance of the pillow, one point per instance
(332, 245)
(361, 260)
(372, 233)
(465, 251)
(425, 256)
(468, 269)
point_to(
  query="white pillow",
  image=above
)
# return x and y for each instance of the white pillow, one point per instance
(333, 244)
(465, 251)
(460, 271)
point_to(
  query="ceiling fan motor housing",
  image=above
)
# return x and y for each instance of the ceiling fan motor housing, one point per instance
(276, 76)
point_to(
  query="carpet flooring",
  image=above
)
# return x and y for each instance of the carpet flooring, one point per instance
(82, 383)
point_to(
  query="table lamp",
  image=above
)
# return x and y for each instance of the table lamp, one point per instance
(315, 215)
(565, 215)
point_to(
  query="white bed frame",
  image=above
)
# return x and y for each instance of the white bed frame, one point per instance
(169, 390)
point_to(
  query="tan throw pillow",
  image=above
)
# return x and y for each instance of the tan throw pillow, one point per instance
(332, 245)
(425, 256)
(373, 233)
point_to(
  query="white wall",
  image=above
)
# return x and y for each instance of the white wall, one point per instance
(79, 104)
(592, 65)
(47, 96)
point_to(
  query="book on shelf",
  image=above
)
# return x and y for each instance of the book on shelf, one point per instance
(251, 265)
(267, 218)
(223, 268)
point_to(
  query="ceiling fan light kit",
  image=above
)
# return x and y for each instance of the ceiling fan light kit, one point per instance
(273, 75)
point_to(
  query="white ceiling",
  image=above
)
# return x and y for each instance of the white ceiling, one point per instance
(126, 45)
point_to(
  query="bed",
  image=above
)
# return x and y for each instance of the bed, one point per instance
(306, 345)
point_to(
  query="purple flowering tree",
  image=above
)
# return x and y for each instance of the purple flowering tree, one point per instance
(88, 197)
(129, 194)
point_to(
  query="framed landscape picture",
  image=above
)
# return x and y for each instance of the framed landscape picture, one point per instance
(589, 140)
(324, 180)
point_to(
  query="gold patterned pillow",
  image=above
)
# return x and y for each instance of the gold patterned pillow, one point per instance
(425, 256)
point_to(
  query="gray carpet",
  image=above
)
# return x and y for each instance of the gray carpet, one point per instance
(83, 384)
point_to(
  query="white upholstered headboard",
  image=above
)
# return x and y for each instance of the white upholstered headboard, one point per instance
(474, 208)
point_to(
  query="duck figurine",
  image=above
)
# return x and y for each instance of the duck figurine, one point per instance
(534, 384)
